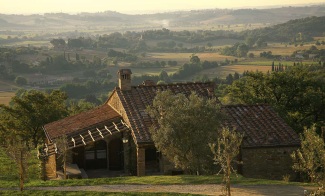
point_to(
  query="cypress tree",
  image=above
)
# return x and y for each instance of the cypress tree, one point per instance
(273, 66)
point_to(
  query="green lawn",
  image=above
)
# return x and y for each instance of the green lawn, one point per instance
(9, 178)
(161, 180)
(54, 193)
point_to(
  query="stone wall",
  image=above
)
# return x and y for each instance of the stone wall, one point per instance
(50, 167)
(268, 163)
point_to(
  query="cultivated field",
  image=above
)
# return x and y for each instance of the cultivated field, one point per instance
(185, 57)
(5, 97)
(283, 49)
(243, 64)
(7, 91)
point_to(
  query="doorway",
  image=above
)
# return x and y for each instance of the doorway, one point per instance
(116, 158)
(96, 155)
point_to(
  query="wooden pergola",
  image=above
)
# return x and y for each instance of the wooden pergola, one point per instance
(86, 136)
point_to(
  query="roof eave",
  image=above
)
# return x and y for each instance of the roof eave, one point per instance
(47, 134)
(272, 146)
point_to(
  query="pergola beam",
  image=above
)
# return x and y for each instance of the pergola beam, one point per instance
(83, 139)
(74, 142)
(91, 135)
(124, 123)
(116, 127)
(108, 129)
(100, 133)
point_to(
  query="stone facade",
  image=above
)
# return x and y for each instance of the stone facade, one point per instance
(269, 163)
(50, 167)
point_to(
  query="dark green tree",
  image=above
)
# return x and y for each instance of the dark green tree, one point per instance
(58, 43)
(97, 61)
(229, 79)
(76, 107)
(249, 41)
(251, 55)
(194, 59)
(260, 43)
(20, 80)
(29, 111)
(298, 93)
(273, 66)
(236, 76)
(242, 50)
(163, 76)
(185, 127)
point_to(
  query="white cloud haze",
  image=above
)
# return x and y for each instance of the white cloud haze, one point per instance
(132, 6)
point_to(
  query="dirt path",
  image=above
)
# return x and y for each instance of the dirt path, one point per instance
(208, 189)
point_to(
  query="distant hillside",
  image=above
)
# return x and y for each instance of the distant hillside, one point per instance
(118, 21)
(300, 29)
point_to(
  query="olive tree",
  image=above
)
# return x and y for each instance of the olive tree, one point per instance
(63, 152)
(310, 157)
(185, 125)
(225, 150)
(18, 151)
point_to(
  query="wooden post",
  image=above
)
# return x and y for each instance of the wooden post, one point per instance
(21, 169)
(126, 154)
(141, 161)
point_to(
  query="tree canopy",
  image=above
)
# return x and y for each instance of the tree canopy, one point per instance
(298, 93)
(185, 127)
(310, 157)
(29, 111)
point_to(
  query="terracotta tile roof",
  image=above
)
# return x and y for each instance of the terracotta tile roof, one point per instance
(138, 98)
(261, 126)
(260, 123)
(99, 116)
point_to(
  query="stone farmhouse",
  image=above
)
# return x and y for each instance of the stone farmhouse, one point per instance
(115, 136)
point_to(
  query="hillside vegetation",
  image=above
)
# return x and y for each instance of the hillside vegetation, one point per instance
(300, 29)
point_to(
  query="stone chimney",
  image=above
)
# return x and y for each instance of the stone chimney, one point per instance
(124, 79)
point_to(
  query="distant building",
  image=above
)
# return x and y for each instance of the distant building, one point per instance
(299, 56)
(311, 56)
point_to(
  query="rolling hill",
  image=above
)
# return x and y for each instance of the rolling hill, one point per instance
(169, 20)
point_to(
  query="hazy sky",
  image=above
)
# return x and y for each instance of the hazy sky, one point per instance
(132, 6)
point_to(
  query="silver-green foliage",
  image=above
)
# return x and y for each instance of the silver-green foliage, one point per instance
(310, 157)
(225, 150)
(185, 126)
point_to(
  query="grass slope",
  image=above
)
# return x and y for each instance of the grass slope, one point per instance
(70, 193)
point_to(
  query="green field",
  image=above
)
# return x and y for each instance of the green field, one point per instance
(27, 43)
